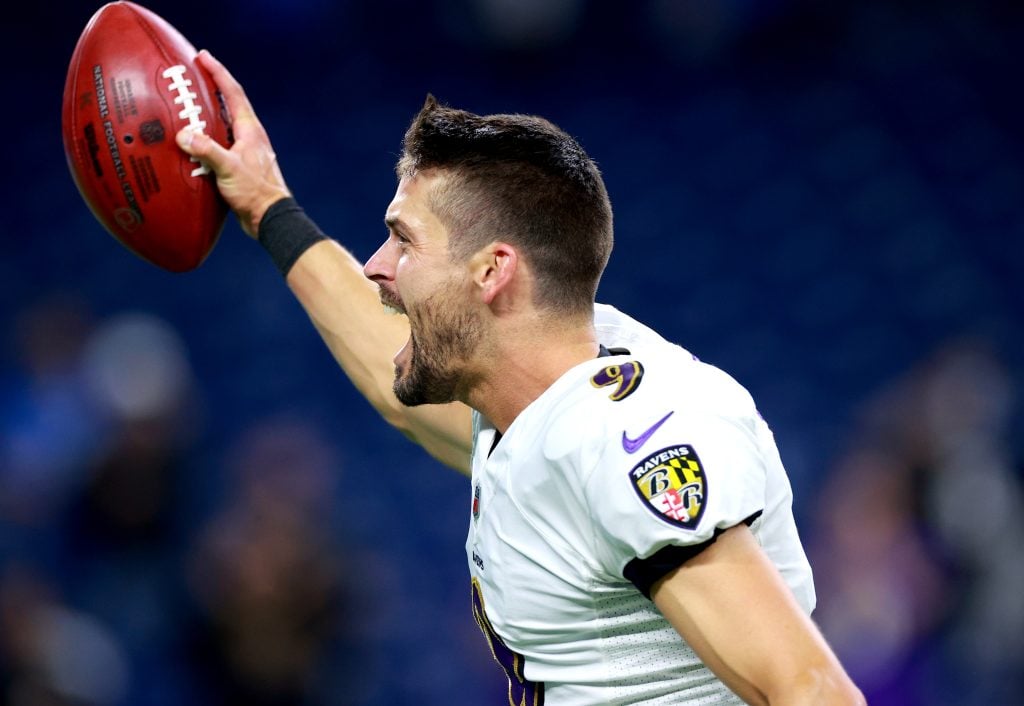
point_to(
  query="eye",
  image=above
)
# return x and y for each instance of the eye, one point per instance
(394, 238)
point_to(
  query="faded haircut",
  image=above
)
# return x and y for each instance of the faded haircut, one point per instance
(522, 180)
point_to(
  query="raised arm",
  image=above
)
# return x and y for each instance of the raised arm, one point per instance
(346, 310)
(733, 608)
(327, 280)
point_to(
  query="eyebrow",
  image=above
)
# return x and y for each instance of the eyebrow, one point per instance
(395, 223)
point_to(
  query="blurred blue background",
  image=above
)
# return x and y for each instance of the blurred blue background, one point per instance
(824, 199)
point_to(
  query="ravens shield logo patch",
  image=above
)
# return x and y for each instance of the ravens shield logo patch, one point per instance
(672, 484)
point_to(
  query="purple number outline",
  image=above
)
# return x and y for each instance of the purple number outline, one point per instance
(625, 376)
(521, 691)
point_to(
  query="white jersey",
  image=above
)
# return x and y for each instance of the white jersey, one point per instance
(615, 475)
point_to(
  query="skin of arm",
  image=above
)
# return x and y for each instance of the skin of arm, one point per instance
(733, 608)
(345, 308)
(328, 281)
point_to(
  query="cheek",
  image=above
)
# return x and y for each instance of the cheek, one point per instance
(417, 280)
(405, 281)
(401, 265)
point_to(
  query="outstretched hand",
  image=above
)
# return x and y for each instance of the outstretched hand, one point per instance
(248, 175)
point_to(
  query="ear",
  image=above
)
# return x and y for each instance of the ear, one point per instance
(494, 270)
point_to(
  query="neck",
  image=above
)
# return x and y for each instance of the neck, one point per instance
(524, 364)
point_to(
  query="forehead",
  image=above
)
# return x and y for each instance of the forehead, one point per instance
(410, 209)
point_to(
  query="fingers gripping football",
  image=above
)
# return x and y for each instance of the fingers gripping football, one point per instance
(248, 175)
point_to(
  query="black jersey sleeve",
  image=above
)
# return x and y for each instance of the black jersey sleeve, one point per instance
(644, 573)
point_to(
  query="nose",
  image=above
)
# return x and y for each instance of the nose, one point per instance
(381, 266)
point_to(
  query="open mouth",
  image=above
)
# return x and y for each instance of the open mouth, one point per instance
(390, 301)
(393, 307)
(403, 357)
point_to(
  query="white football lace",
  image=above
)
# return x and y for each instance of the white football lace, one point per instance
(190, 110)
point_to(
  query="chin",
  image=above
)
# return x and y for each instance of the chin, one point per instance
(409, 394)
(413, 391)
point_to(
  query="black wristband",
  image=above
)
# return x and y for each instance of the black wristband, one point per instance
(285, 231)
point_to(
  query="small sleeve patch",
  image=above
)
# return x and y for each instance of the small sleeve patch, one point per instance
(672, 484)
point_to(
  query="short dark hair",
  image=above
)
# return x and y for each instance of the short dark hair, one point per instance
(521, 179)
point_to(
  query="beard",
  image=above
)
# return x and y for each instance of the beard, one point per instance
(442, 339)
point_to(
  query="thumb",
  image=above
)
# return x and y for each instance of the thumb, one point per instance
(202, 146)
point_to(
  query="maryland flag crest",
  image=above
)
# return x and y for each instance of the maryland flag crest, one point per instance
(672, 484)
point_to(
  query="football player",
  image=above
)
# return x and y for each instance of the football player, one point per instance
(631, 535)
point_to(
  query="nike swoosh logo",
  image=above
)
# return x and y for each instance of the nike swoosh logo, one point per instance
(633, 445)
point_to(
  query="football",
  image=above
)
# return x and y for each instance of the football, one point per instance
(132, 84)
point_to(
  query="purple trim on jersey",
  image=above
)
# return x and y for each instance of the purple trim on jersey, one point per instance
(521, 691)
(633, 445)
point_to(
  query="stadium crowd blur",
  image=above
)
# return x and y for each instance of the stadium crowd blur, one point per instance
(824, 199)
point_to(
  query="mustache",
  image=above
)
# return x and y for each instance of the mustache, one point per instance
(389, 298)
